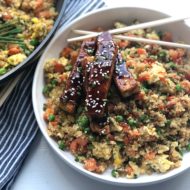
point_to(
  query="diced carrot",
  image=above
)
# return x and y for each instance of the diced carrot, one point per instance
(125, 127)
(66, 52)
(78, 145)
(6, 17)
(140, 96)
(170, 98)
(58, 68)
(47, 113)
(44, 14)
(186, 85)
(14, 49)
(134, 134)
(54, 123)
(129, 170)
(144, 77)
(141, 51)
(74, 55)
(90, 164)
(150, 155)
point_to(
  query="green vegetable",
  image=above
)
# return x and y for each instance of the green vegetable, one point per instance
(120, 144)
(86, 130)
(188, 147)
(54, 82)
(178, 88)
(90, 147)
(80, 110)
(168, 123)
(83, 121)
(133, 123)
(51, 117)
(47, 89)
(172, 65)
(119, 118)
(144, 118)
(159, 131)
(3, 71)
(77, 159)
(68, 67)
(162, 54)
(114, 173)
(144, 88)
(34, 42)
(61, 145)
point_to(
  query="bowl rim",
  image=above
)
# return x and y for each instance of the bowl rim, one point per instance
(35, 53)
(51, 142)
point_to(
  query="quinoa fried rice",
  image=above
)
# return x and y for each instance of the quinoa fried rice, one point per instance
(147, 132)
(31, 21)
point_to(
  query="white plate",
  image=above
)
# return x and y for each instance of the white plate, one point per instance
(105, 18)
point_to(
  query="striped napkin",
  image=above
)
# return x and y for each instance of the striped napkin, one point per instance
(18, 126)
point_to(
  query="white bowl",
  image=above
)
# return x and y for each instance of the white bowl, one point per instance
(105, 18)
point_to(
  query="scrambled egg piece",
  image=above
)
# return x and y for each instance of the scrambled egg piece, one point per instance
(161, 163)
(16, 59)
(102, 150)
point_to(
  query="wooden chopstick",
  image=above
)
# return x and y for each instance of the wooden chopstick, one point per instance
(132, 27)
(139, 39)
(150, 41)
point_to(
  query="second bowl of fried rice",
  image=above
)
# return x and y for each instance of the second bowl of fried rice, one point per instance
(139, 134)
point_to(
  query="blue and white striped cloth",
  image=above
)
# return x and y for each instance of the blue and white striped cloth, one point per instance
(18, 126)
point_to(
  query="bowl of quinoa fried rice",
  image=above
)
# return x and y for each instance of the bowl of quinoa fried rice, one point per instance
(117, 111)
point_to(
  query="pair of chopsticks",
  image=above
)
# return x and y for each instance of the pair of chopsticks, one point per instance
(90, 34)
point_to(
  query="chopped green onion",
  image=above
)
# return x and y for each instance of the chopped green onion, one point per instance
(188, 147)
(68, 67)
(90, 147)
(54, 82)
(172, 65)
(114, 173)
(34, 42)
(144, 118)
(61, 145)
(168, 123)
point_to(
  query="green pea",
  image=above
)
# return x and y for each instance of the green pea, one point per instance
(61, 145)
(178, 88)
(83, 121)
(133, 123)
(51, 117)
(119, 118)
(3, 71)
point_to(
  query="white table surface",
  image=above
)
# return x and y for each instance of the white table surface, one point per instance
(43, 170)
